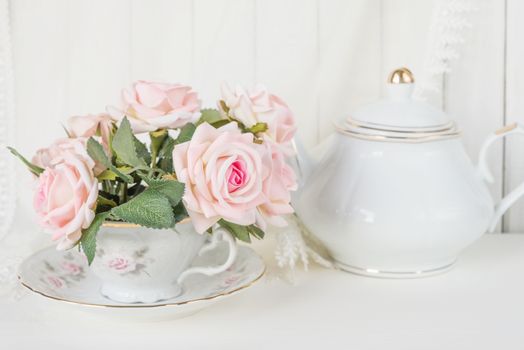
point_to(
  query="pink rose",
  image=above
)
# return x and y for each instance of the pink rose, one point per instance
(65, 198)
(91, 125)
(121, 264)
(277, 187)
(47, 157)
(259, 106)
(224, 175)
(150, 106)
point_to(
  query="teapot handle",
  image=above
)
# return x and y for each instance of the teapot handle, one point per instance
(486, 174)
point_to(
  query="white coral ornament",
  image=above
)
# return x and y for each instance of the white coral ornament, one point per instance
(451, 19)
(293, 247)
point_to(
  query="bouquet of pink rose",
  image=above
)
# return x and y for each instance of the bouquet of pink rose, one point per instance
(224, 166)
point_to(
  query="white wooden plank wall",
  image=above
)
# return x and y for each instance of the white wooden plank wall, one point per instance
(287, 49)
(474, 91)
(324, 57)
(514, 112)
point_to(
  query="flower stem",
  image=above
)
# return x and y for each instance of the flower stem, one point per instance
(122, 192)
(154, 155)
(107, 186)
(157, 139)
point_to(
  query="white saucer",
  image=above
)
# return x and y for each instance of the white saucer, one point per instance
(65, 277)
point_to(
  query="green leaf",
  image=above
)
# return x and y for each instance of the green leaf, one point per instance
(256, 231)
(141, 151)
(166, 155)
(223, 105)
(125, 145)
(88, 239)
(125, 169)
(239, 231)
(157, 139)
(105, 201)
(107, 175)
(135, 189)
(220, 123)
(98, 154)
(32, 168)
(186, 133)
(108, 195)
(213, 117)
(209, 115)
(167, 148)
(172, 189)
(180, 212)
(258, 127)
(150, 209)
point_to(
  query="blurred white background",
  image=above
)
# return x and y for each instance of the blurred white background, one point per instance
(324, 57)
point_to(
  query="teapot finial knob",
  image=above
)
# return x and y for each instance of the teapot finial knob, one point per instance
(401, 76)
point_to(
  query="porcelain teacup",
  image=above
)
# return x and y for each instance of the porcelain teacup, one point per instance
(142, 265)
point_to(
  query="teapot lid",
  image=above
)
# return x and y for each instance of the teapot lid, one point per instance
(398, 115)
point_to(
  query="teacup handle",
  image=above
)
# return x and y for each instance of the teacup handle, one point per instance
(511, 197)
(219, 234)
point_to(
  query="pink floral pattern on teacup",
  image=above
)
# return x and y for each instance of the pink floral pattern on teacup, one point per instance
(121, 264)
(230, 280)
(55, 281)
(71, 268)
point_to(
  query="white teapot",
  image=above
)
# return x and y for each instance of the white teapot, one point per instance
(396, 194)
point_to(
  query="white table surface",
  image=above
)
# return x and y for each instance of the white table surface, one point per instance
(477, 305)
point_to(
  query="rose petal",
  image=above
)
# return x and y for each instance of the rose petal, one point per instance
(148, 94)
